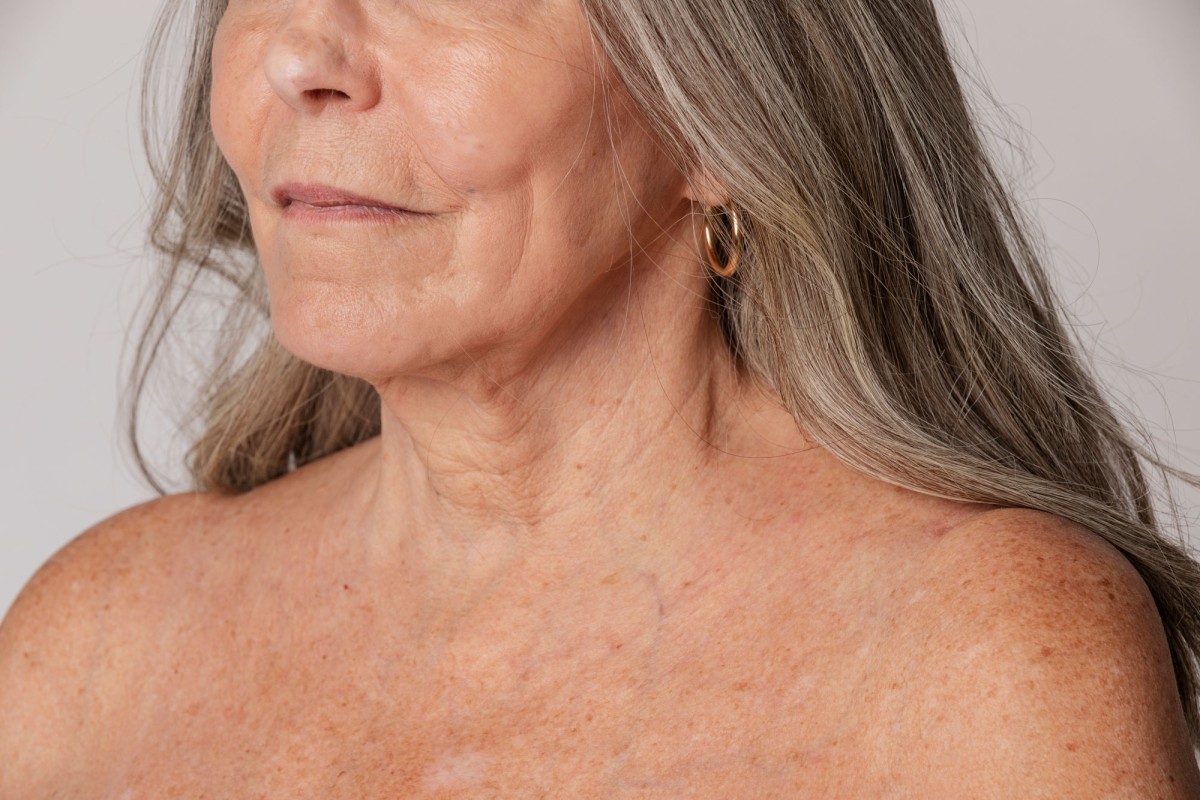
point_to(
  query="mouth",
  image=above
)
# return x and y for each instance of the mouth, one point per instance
(314, 202)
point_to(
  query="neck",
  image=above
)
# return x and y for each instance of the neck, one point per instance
(608, 446)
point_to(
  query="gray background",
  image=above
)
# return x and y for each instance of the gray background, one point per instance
(1109, 91)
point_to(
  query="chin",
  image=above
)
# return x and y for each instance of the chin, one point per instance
(345, 330)
(351, 335)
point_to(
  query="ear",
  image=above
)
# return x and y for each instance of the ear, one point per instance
(702, 188)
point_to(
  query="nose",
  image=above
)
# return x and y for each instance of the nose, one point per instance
(317, 59)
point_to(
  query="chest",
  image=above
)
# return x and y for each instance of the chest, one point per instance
(631, 705)
(731, 682)
(605, 741)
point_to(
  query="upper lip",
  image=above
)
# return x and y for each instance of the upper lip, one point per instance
(317, 194)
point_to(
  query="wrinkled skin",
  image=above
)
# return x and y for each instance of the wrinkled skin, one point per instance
(497, 119)
(546, 309)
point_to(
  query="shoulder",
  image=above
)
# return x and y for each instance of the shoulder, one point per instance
(1034, 663)
(99, 566)
(80, 623)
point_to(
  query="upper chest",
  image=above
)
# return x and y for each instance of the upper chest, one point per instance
(720, 688)
(754, 673)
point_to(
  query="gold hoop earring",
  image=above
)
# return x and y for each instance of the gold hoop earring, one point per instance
(727, 269)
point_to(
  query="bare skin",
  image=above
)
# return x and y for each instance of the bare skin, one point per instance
(257, 646)
(261, 646)
(586, 557)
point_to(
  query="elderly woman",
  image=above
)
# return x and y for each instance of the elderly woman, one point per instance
(661, 399)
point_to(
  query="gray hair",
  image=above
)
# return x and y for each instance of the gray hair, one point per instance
(891, 290)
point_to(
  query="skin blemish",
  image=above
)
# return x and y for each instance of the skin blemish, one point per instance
(455, 771)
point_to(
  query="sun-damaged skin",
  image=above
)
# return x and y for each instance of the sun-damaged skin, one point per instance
(537, 329)
(587, 557)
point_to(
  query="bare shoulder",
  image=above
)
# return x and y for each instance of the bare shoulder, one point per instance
(1034, 663)
(79, 624)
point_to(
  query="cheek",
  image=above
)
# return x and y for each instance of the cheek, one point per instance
(484, 117)
(237, 101)
(221, 96)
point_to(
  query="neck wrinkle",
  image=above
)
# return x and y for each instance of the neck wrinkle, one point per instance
(557, 473)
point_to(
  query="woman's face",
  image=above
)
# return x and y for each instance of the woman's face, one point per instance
(490, 117)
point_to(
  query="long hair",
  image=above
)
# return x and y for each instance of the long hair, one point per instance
(891, 290)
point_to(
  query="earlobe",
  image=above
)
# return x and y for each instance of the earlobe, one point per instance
(702, 188)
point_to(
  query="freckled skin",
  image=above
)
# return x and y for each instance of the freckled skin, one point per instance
(587, 557)
(490, 116)
(538, 336)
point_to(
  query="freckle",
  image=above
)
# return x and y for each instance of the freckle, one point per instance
(1072, 747)
(1047, 651)
(1112, 596)
(579, 466)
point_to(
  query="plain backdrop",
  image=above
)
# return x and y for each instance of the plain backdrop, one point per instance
(1108, 92)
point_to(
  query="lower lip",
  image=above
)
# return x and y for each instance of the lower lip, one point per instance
(302, 212)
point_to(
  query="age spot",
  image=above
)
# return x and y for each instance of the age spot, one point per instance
(455, 771)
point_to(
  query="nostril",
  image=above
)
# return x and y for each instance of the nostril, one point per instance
(327, 94)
